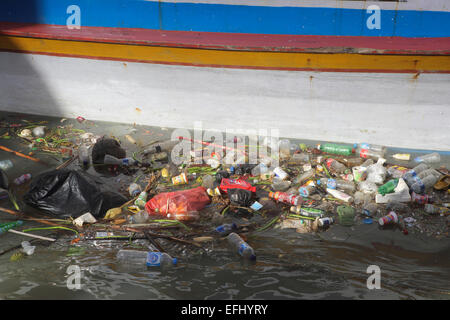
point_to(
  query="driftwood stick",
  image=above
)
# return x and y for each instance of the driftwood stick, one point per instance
(30, 235)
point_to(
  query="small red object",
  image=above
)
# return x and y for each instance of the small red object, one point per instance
(80, 119)
(235, 184)
(405, 231)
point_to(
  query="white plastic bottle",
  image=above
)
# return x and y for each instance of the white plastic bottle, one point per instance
(241, 246)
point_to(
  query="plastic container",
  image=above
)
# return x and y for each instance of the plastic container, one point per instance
(335, 165)
(22, 179)
(160, 147)
(180, 179)
(307, 189)
(344, 185)
(336, 149)
(390, 218)
(6, 164)
(241, 246)
(359, 173)
(429, 158)
(149, 258)
(141, 200)
(260, 169)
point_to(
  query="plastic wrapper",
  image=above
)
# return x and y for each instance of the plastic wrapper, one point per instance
(71, 193)
(178, 202)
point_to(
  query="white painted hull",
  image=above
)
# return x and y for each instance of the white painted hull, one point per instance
(385, 108)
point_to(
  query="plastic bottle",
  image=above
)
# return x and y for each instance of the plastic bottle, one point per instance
(366, 153)
(432, 209)
(421, 199)
(336, 149)
(160, 147)
(225, 228)
(411, 176)
(308, 212)
(134, 190)
(287, 198)
(372, 147)
(6, 164)
(429, 158)
(325, 222)
(307, 189)
(141, 200)
(4, 227)
(109, 159)
(83, 155)
(427, 172)
(241, 246)
(347, 186)
(391, 217)
(335, 165)
(353, 162)
(402, 156)
(138, 218)
(422, 184)
(160, 259)
(367, 163)
(304, 177)
(280, 185)
(22, 179)
(388, 187)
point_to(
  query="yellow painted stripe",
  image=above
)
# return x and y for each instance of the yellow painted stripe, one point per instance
(229, 58)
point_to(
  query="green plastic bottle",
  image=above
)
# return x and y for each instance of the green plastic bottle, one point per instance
(336, 149)
(388, 187)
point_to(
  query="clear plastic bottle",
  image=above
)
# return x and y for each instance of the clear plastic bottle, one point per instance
(427, 172)
(6, 164)
(83, 156)
(241, 246)
(109, 159)
(429, 158)
(160, 259)
(304, 177)
(369, 146)
(411, 176)
(335, 165)
(160, 147)
(280, 185)
(369, 154)
(347, 186)
(307, 189)
(422, 184)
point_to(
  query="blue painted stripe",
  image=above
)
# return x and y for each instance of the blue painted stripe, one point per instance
(228, 18)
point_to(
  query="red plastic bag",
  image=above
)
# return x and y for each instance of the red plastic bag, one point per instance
(178, 202)
(235, 184)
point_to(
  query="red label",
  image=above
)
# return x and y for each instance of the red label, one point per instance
(235, 184)
(363, 153)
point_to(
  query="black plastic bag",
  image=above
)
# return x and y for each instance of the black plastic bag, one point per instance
(240, 197)
(106, 146)
(71, 193)
(4, 181)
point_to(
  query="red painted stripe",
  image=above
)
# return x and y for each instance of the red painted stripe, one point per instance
(228, 66)
(235, 41)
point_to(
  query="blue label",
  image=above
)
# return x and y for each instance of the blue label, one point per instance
(256, 206)
(365, 145)
(154, 259)
(125, 161)
(331, 183)
(242, 248)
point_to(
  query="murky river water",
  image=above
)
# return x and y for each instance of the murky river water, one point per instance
(289, 265)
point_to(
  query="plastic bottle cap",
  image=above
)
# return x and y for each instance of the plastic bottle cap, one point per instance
(174, 260)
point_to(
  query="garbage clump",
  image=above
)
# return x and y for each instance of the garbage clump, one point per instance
(146, 195)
